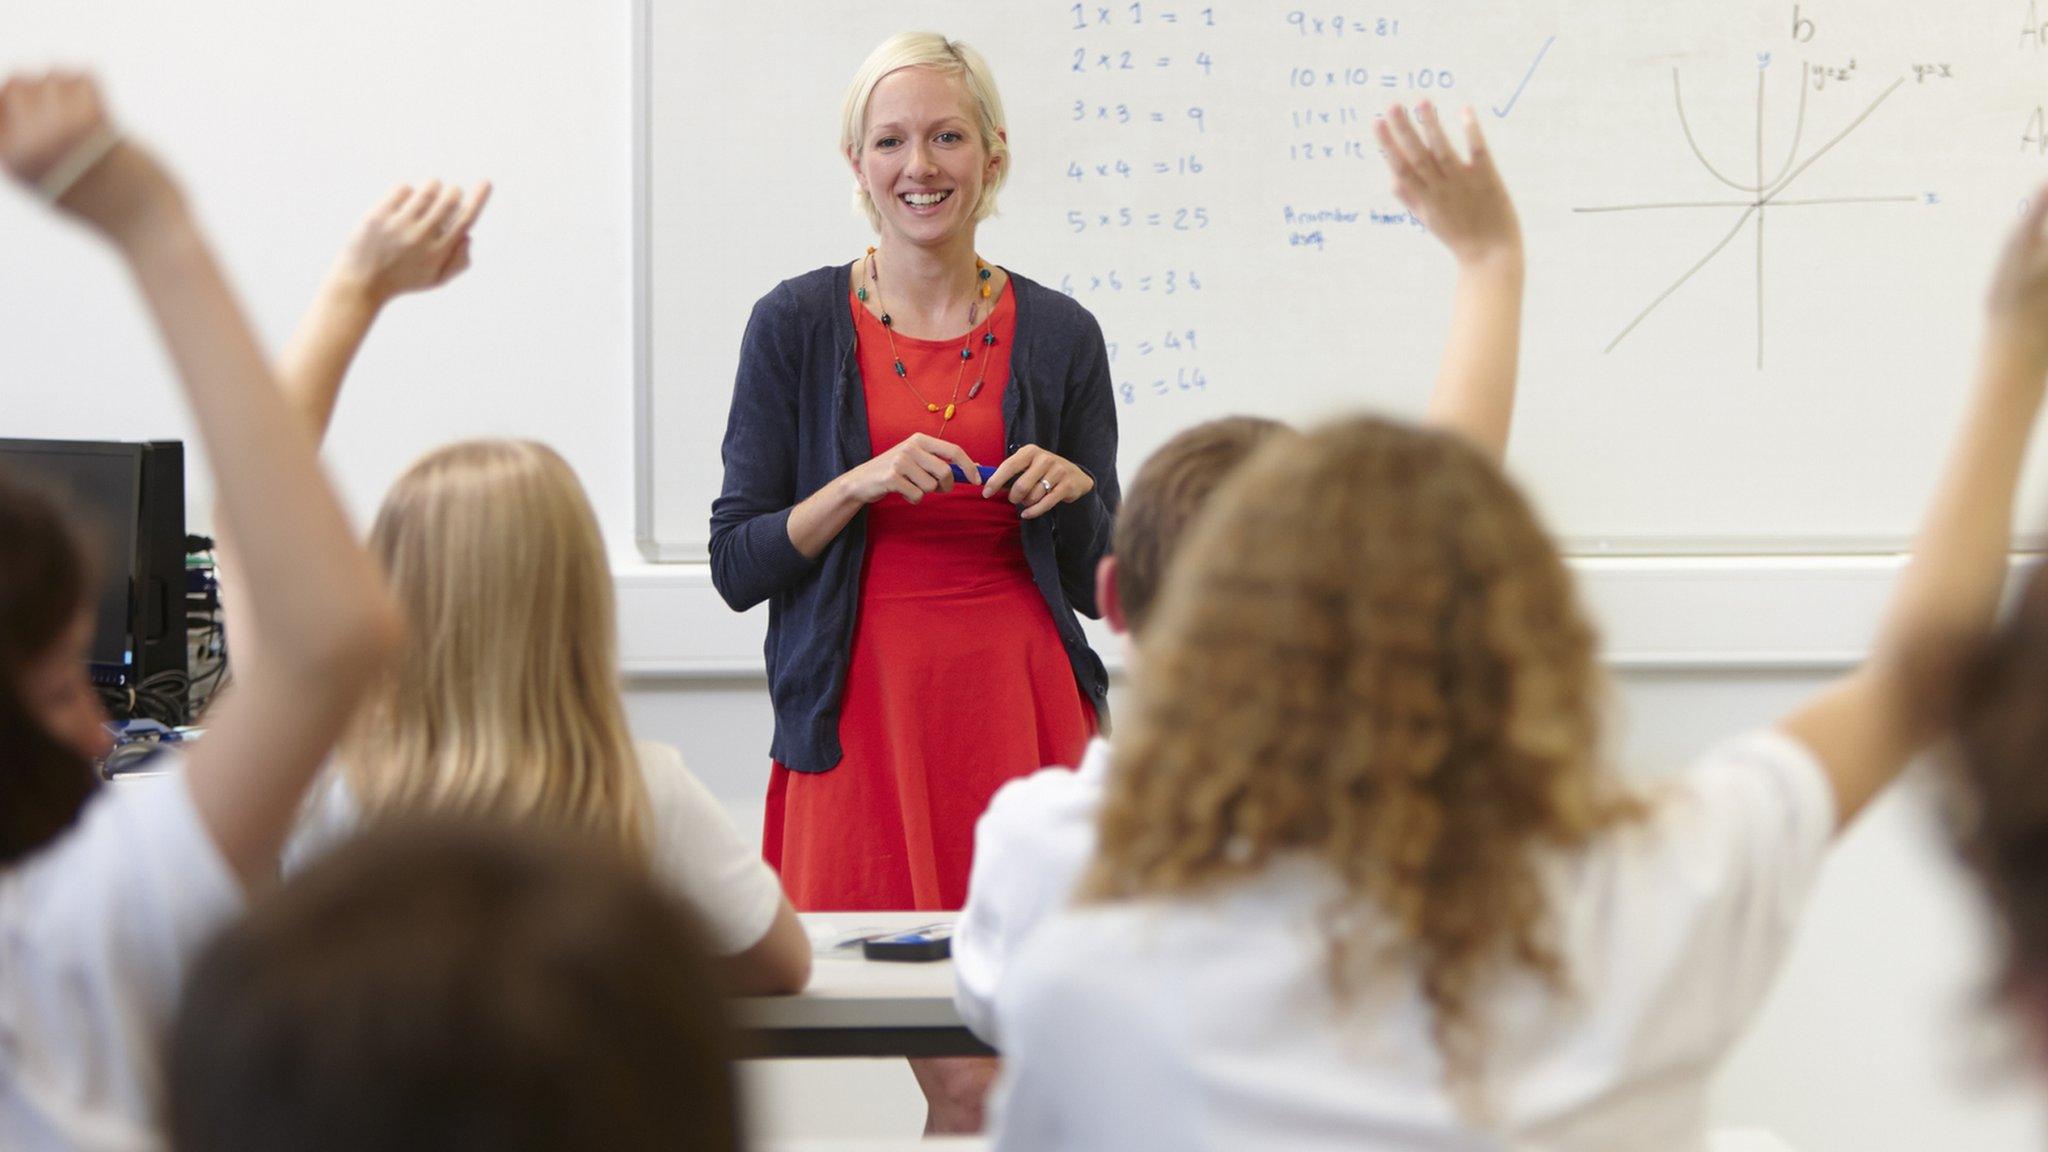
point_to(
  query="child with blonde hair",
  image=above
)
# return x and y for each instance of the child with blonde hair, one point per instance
(506, 699)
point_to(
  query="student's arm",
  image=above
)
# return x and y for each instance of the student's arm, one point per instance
(778, 964)
(415, 239)
(1865, 727)
(328, 626)
(1465, 204)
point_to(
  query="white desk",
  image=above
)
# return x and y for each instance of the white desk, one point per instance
(860, 1007)
(920, 1144)
(1725, 1140)
(908, 1144)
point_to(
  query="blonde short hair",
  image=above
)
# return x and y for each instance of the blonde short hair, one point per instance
(506, 700)
(952, 57)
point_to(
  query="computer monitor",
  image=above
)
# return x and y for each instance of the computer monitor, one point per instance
(132, 496)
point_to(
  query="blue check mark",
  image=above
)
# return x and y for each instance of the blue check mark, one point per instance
(1502, 112)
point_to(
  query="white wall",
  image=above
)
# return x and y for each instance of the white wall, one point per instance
(290, 119)
(287, 121)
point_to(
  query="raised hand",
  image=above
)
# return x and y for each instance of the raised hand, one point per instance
(1866, 726)
(328, 628)
(43, 118)
(1464, 203)
(56, 138)
(1460, 199)
(2018, 300)
(415, 239)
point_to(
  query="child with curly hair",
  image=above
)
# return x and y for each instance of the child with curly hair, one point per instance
(1364, 878)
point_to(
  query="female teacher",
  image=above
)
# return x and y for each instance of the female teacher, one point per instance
(920, 477)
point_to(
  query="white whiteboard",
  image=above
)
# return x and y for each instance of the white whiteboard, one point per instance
(1202, 176)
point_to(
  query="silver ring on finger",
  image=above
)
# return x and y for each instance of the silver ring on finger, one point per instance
(1045, 484)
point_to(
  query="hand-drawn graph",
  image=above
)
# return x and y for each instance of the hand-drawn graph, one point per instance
(1761, 195)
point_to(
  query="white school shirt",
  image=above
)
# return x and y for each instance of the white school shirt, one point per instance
(1208, 1023)
(96, 932)
(695, 847)
(1030, 848)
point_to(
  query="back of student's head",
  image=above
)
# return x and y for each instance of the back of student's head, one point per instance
(1368, 651)
(2001, 761)
(506, 700)
(456, 989)
(1173, 485)
(45, 580)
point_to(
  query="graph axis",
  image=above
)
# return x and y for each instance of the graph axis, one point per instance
(1759, 197)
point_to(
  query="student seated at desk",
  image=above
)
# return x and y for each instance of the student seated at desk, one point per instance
(457, 988)
(506, 699)
(106, 893)
(1362, 877)
(1039, 832)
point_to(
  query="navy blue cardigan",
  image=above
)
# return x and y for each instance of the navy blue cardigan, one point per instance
(799, 420)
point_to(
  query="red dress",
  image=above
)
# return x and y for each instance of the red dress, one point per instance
(957, 681)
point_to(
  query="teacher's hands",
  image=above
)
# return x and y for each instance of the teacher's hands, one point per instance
(920, 464)
(1039, 481)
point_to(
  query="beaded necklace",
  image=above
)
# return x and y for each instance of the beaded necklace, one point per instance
(944, 412)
